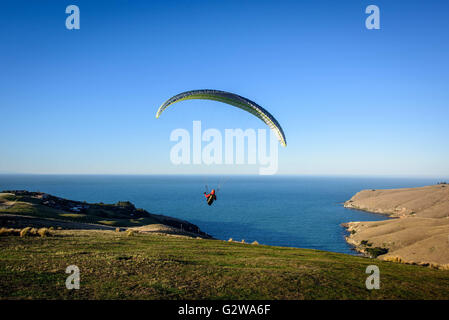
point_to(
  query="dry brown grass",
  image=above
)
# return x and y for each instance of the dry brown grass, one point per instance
(34, 232)
(44, 232)
(9, 232)
(25, 231)
(419, 235)
(130, 233)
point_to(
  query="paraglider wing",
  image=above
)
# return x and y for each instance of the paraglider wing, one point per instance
(231, 99)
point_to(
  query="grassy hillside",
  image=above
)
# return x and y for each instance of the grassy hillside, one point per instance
(121, 214)
(146, 266)
(96, 213)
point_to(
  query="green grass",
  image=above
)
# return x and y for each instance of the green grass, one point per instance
(145, 266)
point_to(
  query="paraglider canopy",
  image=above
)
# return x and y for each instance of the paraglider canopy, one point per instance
(231, 99)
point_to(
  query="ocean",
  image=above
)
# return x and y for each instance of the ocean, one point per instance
(293, 211)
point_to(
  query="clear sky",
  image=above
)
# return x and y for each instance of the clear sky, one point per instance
(350, 100)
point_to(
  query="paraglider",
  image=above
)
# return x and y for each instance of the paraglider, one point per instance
(231, 99)
(210, 197)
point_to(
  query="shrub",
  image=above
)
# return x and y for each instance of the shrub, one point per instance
(377, 251)
(44, 232)
(365, 243)
(130, 233)
(25, 232)
(124, 204)
(51, 228)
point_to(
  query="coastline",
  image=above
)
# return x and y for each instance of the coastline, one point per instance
(21, 208)
(416, 231)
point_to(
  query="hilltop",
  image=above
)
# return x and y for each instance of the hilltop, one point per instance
(418, 232)
(114, 265)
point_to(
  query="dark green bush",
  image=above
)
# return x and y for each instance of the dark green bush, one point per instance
(377, 251)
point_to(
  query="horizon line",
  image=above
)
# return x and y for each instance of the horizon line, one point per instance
(337, 175)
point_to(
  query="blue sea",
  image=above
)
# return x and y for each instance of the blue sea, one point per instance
(294, 211)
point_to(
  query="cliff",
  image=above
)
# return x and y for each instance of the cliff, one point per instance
(418, 232)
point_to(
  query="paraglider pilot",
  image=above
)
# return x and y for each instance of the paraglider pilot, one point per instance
(211, 197)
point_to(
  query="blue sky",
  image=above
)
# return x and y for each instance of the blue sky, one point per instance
(351, 101)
